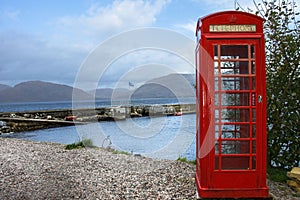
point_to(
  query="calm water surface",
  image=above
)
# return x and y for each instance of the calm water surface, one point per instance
(157, 137)
(19, 107)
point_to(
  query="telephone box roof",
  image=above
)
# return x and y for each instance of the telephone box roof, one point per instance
(229, 18)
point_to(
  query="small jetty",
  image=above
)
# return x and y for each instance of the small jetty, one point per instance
(14, 124)
(11, 122)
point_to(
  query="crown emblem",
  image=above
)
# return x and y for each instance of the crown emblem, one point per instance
(232, 19)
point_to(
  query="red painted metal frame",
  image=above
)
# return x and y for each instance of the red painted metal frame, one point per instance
(212, 181)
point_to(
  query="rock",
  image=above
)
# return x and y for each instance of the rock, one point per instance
(294, 185)
(294, 175)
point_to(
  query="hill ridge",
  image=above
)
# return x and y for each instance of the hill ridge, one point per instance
(169, 86)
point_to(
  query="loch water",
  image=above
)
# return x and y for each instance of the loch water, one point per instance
(167, 137)
(57, 105)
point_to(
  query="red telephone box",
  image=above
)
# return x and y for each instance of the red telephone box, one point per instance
(231, 106)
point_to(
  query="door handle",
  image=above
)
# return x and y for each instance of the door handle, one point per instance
(260, 98)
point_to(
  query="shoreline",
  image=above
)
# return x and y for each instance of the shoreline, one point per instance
(42, 119)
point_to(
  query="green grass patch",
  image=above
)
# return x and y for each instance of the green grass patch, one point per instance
(81, 144)
(185, 160)
(296, 195)
(277, 174)
(120, 152)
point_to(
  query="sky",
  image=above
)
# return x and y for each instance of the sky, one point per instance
(57, 40)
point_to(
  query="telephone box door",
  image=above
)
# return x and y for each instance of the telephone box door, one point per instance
(237, 111)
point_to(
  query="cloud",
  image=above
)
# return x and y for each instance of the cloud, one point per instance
(142, 65)
(122, 54)
(116, 17)
(56, 55)
(189, 26)
(28, 57)
(208, 7)
(10, 14)
(222, 5)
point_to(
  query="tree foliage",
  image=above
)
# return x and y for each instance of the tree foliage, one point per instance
(283, 80)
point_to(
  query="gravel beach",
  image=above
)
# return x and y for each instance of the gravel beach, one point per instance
(37, 170)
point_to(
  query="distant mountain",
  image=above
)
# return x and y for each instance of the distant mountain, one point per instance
(3, 87)
(170, 86)
(38, 91)
(108, 93)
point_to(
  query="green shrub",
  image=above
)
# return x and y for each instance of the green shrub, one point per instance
(121, 152)
(282, 36)
(81, 144)
(277, 174)
(185, 160)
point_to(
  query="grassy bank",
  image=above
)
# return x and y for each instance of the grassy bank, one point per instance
(81, 144)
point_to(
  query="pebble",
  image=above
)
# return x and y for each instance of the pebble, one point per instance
(39, 170)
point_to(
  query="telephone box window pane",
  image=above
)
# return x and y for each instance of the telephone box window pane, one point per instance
(252, 51)
(235, 99)
(216, 83)
(252, 67)
(238, 67)
(234, 51)
(245, 131)
(235, 163)
(253, 131)
(235, 115)
(244, 147)
(217, 128)
(235, 147)
(230, 134)
(216, 99)
(216, 68)
(217, 135)
(254, 115)
(217, 148)
(230, 147)
(233, 83)
(254, 147)
(217, 115)
(253, 162)
(235, 131)
(231, 127)
(216, 56)
(229, 115)
(253, 83)
(216, 162)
